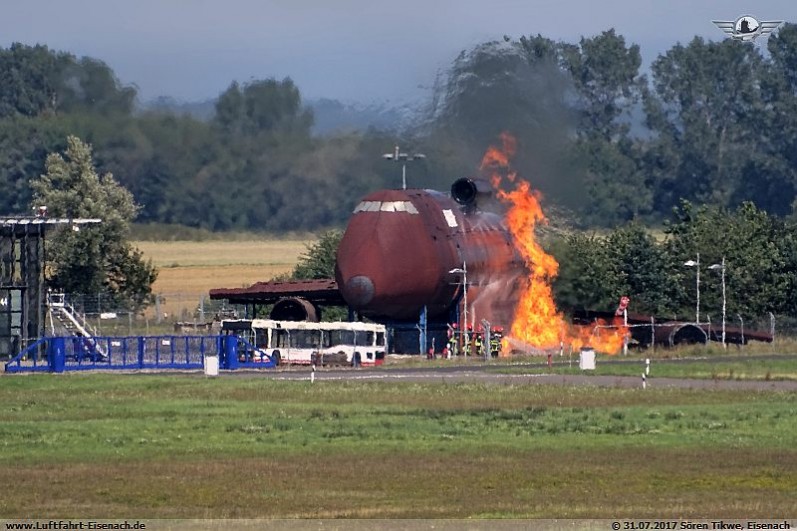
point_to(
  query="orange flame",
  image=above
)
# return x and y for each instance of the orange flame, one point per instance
(537, 323)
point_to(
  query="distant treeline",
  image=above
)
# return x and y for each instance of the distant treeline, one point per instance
(715, 123)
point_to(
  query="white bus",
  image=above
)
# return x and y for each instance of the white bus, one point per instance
(305, 343)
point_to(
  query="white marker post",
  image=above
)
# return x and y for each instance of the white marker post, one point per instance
(644, 381)
(625, 332)
(312, 374)
(647, 366)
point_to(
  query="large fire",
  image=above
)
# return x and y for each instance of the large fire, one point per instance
(537, 323)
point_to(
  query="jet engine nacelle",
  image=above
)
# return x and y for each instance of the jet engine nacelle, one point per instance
(469, 192)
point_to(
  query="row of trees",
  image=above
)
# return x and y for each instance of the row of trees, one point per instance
(254, 165)
(713, 123)
(760, 253)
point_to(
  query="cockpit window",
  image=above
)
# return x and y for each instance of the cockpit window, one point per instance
(386, 206)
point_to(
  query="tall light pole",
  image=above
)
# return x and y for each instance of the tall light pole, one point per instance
(464, 271)
(721, 267)
(397, 155)
(696, 265)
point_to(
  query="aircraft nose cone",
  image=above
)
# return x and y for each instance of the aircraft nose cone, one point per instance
(359, 290)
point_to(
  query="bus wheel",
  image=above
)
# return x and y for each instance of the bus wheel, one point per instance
(356, 360)
(276, 357)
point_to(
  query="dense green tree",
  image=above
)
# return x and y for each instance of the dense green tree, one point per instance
(24, 145)
(30, 80)
(88, 84)
(771, 174)
(159, 164)
(95, 258)
(595, 271)
(39, 81)
(707, 99)
(786, 245)
(318, 261)
(229, 114)
(588, 278)
(646, 272)
(605, 74)
(263, 105)
(615, 181)
(758, 252)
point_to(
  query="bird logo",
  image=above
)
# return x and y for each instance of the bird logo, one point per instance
(747, 28)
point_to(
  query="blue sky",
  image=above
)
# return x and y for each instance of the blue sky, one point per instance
(353, 50)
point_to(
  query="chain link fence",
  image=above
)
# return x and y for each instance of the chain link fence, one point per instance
(191, 314)
(171, 312)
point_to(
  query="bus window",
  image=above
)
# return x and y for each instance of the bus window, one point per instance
(279, 338)
(380, 339)
(261, 338)
(341, 337)
(325, 339)
(369, 338)
(305, 339)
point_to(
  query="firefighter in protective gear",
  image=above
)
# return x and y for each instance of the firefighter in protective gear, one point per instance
(452, 339)
(495, 341)
(468, 343)
(478, 344)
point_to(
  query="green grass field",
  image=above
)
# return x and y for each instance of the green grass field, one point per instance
(727, 369)
(175, 446)
(732, 370)
(756, 361)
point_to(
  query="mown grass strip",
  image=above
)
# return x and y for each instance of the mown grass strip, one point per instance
(723, 369)
(116, 445)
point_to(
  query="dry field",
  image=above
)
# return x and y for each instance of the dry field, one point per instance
(187, 269)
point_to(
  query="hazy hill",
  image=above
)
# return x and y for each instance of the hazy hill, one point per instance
(330, 115)
(201, 110)
(334, 116)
